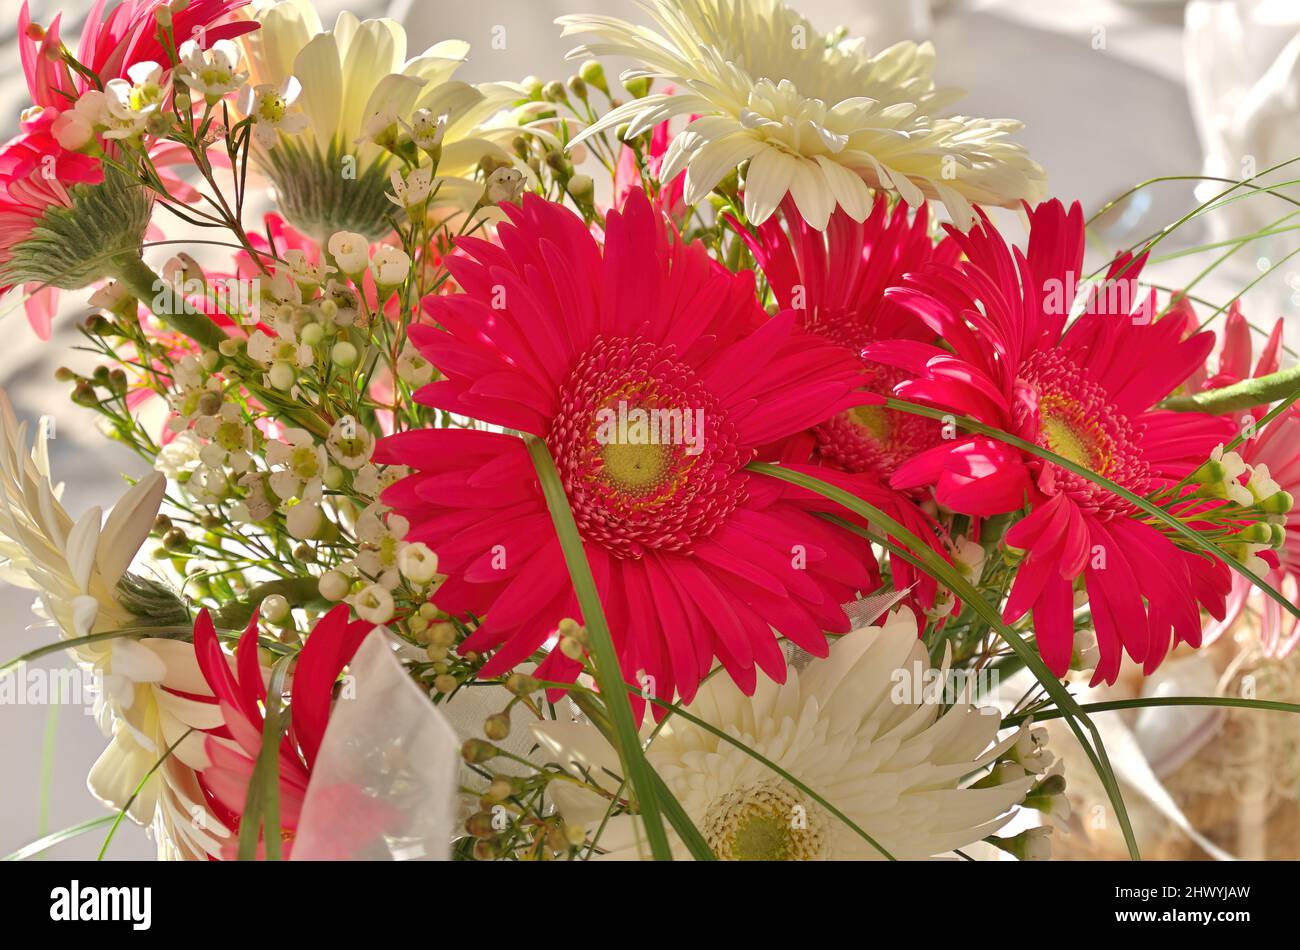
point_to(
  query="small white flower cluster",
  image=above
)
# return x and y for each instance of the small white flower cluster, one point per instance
(387, 265)
(121, 110)
(384, 560)
(1228, 477)
(124, 108)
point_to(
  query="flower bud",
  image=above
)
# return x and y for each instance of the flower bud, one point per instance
(594, 74)
(334, 585)
(344, 353)
(497, 726)
(274, 608)
(476, 751)
(446, 684)
(1032, 844)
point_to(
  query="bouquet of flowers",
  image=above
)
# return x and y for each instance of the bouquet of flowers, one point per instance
(667, 467)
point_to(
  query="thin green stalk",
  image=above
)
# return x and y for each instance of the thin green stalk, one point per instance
(1255, 391)
(673, 811)
(108, 839)
(261, 815)
(757, 756)
(58, 837)
(609, 675)
(162, 633)
(1117, 704)
(48, 744)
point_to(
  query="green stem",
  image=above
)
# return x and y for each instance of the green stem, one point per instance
(298, 591)
(1116, 704)
(1246, 394)
(166, 304)
(609, 675)
(49, 841)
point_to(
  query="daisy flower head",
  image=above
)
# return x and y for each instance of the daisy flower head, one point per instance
(1089, 392)
(654, 377)
(866, 728)
(79, 570)
(62, 219)
(360, 99)
(817, 117)
(835, 280)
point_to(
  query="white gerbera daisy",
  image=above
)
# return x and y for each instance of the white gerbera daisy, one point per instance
(360, 95)
(815, 115)
(78, 569)
(859, 728)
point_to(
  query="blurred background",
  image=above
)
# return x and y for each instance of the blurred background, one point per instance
(1111, 93)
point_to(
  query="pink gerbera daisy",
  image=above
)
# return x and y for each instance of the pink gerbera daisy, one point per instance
(835, 280)
(1086, 392)
(694, 557)
(55, 230)
(240, 693)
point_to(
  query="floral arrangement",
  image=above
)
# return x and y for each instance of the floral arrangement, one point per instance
(665, 467)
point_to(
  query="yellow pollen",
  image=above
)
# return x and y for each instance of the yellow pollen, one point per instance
(875, 419)
(1079, 440)
(635, 467)
(768, 822)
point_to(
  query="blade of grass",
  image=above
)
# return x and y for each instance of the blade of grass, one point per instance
(764, 760)
(48, 743)
(58, 837)
(262, 802)
(1116, 704)
(158, 633)
(609, 674)
(108, 839)
(673, 811)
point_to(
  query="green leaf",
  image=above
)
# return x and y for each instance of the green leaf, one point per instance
(1114, 704)
(609, 675)
(262, 803)
(58, 837)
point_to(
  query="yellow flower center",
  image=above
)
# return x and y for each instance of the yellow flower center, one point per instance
(635, 467)
(874, 419)
(1070, 434)
(272, 109)
(768, 822)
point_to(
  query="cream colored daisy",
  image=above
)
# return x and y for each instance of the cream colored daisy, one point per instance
(860, 728)
(816, 116)
(78, 570)
(360, 96)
